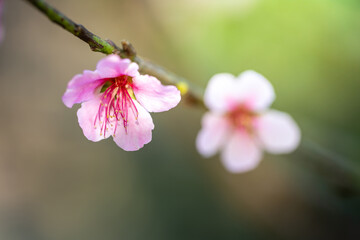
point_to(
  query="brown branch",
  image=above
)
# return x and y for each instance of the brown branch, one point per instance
(126, 50)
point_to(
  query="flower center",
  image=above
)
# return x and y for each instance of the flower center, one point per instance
(242, 118)
(116, 104)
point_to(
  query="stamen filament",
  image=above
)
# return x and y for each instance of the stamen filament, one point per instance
(114, 106)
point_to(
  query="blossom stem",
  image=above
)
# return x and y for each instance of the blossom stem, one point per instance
(97, 44)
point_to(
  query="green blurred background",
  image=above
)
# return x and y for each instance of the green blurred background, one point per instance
(56, 185)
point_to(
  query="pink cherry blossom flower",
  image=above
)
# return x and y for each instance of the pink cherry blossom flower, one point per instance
(240, 123)
(116, 101)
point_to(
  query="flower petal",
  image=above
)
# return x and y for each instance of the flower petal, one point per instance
(278, 132)
(154, 96)
(113, 66)
(217, 92)
(86, 117)
(241, 153)
(82, 88)
(214, 132)
(138, 131)
(254, 90)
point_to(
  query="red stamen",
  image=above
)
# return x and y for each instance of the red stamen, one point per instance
(242, 118)
(114, 105)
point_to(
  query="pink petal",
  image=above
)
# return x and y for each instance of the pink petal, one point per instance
(255, 91)
(138, 131)
(241, 153)
(154, 96)
(217, 92)
(278, 132)
(82, 88)
(86, 117)
(113, 66)
(214, 132)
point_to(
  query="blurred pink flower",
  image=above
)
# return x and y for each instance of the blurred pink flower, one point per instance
(240, 123)
(116, 100)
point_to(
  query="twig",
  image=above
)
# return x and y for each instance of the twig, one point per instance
(126, 50)
(338, 171)
(97, 44)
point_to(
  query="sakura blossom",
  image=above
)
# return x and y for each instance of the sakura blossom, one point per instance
(239, 123)
(116, 101)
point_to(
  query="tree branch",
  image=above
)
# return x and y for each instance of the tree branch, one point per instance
(97, 44)
(188, 92)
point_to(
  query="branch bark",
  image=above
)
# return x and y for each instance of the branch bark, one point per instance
(97, 44)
